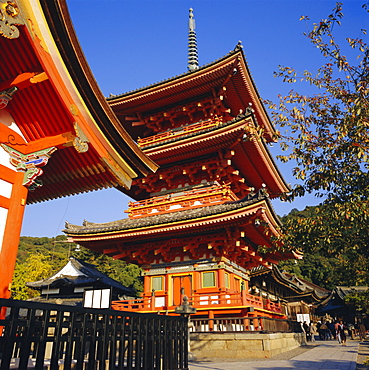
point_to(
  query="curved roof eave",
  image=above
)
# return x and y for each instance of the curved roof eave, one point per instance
(60, 25)
(172, 147)
(258, 200)
(239, 60)
(114, 99)
(274, 168)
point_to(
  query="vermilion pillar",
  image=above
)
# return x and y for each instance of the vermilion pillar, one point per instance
(221, 280)
(14, 211)
(18, 173)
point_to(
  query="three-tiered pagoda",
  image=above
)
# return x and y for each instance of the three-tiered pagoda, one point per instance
(197, 224)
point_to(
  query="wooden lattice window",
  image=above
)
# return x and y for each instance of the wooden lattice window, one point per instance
(208, 279)
(226, 280)
(157, 283)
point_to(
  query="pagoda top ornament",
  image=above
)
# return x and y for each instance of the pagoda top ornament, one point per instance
(193, 62)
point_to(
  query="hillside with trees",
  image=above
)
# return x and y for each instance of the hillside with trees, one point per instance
(39, 258)
(335, 249)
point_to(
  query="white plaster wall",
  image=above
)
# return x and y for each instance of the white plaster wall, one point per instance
(7, 120)
(5, 188)
(5, 191)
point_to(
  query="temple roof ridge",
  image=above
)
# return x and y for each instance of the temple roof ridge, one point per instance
(297, 284)
(154, 219)
(238, 48)
(86, 273)
(305, 282)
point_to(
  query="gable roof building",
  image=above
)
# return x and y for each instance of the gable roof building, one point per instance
(68, 285)
(336, 306)
(297, 295)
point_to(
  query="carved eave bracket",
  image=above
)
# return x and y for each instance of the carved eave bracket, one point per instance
(212, 169)
(80, 142)
(10, 16)
(211, 107)
(29, 164)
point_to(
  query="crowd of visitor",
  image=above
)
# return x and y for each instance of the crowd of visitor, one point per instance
(328, 330)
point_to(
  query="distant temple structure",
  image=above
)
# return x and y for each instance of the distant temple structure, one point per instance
(203, 220)
(300, 300)
(336, 306)
(69, 285)
(58, 135)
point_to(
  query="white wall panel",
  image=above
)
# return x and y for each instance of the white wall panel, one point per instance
(5, 188)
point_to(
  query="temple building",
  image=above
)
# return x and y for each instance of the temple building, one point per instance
(69, 285)
(58, 135)
(300, 299)
(203, 220)
(337, 307)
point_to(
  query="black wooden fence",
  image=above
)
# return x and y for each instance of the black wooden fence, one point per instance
(50, 336)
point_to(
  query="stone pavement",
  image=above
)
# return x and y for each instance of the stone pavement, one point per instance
(327, 355)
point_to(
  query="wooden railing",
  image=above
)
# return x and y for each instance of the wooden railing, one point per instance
(40, 336)
(160, 302)
(137, 305)
(226, 299)
(188, 199)
(238, 324)
(177, 132)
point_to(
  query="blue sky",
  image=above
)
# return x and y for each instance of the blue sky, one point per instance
(130, 44)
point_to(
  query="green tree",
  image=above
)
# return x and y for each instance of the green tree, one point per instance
(127, 274)
(35, 267)
(360, 300)
(39, 258)
(335, 249)
(326, 135)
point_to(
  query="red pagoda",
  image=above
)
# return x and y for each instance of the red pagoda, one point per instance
(203, 220)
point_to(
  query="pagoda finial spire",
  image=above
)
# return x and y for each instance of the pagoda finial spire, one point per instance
(193, 62)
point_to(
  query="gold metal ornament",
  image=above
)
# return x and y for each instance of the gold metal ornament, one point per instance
(10, 17)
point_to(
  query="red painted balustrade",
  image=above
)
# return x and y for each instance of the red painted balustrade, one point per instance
(199, 300)
(195, 198)
(172, 134)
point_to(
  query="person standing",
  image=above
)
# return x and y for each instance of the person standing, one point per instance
(337, 334)
(323, 331)
(313, 330)
(341, 332)
(307, 331)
